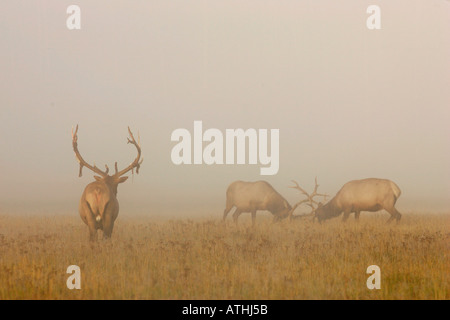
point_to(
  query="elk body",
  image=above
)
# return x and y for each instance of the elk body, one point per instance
(253, 196)
(362, 195)
(98, 205)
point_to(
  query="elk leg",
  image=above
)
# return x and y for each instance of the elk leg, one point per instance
(236, 215)
(390, 219)
(92, 230)
(357, 213)
(92, 234)
(107, 231)
(108, 227)
(253, 217)
(226, 211)
(399, 216)
(345, 217)
(394, 214)
(88, 217)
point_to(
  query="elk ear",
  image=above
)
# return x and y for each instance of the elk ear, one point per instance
(98, 178)
(122, 179)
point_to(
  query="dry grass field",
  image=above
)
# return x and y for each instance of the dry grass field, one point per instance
(206, 259)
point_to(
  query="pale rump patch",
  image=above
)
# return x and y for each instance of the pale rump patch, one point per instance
(98, 194)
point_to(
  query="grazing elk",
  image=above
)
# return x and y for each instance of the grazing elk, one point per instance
(98, 206)
(362, 195)
(253, 196)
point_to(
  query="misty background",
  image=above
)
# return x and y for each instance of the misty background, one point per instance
(350, 102)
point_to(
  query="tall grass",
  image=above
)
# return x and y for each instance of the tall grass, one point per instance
(207, 259)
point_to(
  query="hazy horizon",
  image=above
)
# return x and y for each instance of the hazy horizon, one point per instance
(350, 103)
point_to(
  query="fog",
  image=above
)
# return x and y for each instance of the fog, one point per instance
(349, 102)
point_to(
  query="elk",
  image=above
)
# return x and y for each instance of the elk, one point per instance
(253, 196)
(362, 195)
(98, 205)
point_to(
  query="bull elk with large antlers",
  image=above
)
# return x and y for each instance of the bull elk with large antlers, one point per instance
(98, 206)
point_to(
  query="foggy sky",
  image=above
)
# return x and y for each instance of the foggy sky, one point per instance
(350, 102)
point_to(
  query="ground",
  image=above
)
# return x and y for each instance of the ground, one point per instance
(204, 258)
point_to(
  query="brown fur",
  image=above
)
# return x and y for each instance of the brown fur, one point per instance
(99, 206)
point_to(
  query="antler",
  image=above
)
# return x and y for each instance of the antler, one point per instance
(136, 163)
(309, 197)
(81, 160)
